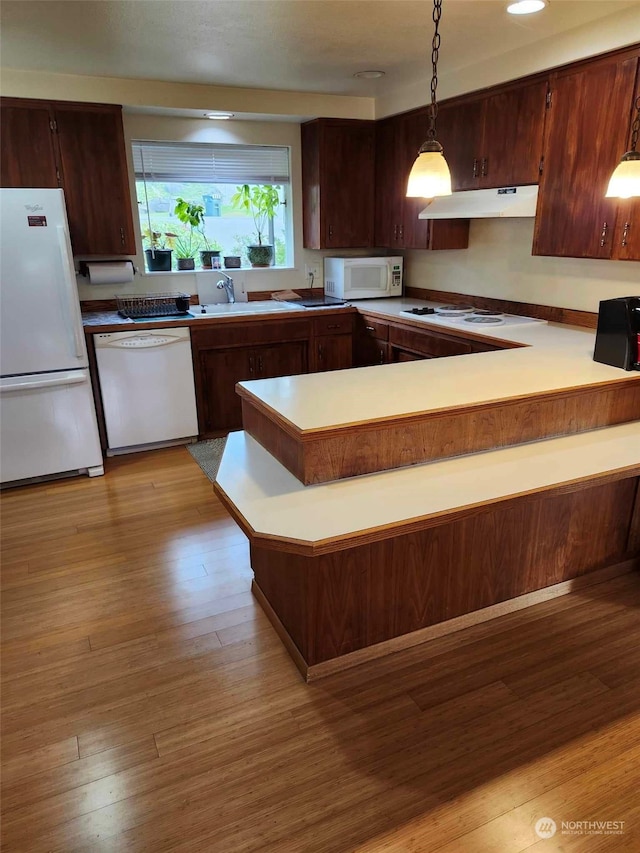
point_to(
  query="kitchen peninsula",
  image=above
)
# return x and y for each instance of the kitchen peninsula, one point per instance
(350, 569)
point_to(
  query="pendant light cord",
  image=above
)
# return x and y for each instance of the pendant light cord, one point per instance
(435, 49)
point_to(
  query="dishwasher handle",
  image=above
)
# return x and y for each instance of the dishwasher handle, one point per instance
(141, 341)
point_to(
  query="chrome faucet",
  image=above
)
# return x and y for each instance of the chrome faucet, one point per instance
(228, 286)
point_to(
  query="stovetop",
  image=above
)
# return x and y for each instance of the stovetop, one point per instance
(467, 316)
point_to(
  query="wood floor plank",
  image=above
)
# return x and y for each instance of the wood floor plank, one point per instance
(133, 647)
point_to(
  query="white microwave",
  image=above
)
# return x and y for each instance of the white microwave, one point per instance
(363, 278)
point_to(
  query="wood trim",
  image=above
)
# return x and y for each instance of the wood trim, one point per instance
(425, 635)
(320, 547)
(550, 313)
(280, 630)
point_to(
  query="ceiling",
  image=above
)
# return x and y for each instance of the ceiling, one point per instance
(296, 45)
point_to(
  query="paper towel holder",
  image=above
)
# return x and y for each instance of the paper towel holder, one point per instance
(83, 266)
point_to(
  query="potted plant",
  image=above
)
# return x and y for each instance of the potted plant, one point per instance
(191, 215)
(158, 254)
(185, 253)
(261, 201)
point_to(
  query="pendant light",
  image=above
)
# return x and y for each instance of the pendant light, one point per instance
(430, 174)
(625, 181)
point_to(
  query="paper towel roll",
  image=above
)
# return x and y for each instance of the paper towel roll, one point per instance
(113, 272)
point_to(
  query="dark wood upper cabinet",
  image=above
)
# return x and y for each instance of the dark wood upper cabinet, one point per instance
(398, 140)
(495, 140)
(513, 136)
(27, 153)
(459, 131)
(79, 147)
(96, 184)
(338, 168)
(587, 132)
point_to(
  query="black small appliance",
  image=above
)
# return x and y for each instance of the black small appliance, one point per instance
(618, 335)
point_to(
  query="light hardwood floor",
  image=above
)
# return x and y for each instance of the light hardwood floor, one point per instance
(149, 706)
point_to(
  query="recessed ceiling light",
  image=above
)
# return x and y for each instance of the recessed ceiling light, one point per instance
(526, 7)
(220, 116)
(369, 75)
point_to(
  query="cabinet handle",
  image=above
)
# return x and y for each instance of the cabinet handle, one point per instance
(625, 233)
(251, 363)
(260, 366)
(402, 232)
(475, 167)
(334, 326)
(320, 352)
(484, 171)
(369, 328)
(381, 356)
(331, 231)
(395, 232)
(122, 236)
(603, 236)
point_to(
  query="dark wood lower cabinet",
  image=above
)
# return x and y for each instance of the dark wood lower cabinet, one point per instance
(332, 352)
(230, 353)
(221, 369)
(378, 342)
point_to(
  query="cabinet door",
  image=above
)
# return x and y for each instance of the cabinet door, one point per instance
(459, 131)
(627, 234)
(414, 233)
(587, 129)
(333, 352)
(288, 359)
(388, 183)
(27, 149)
(347, 168)
(95, 179)
(513, 136)
(219, 406)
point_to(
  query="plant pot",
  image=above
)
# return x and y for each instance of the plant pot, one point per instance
(186, 263)
(232, 262)
(260, 256)
(158, 260)
(208, 259)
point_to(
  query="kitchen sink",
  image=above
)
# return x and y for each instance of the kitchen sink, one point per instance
(225, 309)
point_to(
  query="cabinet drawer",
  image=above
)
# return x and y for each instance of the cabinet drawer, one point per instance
(374, 328)
(333, 325)
(428, 343)
(245, 333)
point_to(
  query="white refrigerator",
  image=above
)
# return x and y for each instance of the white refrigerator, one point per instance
(47, 413)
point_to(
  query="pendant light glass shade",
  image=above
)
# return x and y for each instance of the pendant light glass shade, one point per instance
(430, 175)
(625, 181)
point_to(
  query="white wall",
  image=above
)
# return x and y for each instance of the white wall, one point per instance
(499, 263)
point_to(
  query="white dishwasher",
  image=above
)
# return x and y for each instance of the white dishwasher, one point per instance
(148, 392)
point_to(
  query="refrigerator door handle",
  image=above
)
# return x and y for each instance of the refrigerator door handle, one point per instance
(69, 275)
(46, 380)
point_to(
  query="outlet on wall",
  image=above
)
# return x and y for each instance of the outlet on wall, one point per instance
(312, 275)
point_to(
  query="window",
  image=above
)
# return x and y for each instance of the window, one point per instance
(208, 176)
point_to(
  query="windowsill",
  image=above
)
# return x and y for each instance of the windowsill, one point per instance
(229, 271)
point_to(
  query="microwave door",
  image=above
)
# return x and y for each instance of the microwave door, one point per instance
(367, 279)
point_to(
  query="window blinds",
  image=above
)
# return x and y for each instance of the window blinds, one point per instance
(214, 163)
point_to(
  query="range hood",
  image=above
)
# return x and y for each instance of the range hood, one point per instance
(483, 204)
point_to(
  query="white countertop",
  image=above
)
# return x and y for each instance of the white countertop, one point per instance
(276, 504)
(555, 357)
